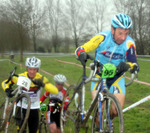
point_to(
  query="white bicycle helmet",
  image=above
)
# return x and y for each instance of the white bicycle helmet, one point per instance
(59, 78)
(33, 62)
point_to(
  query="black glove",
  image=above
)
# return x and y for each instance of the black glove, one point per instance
(122, 67)
(82, 58)
(8, 92)
(135, 68)
(38, 82)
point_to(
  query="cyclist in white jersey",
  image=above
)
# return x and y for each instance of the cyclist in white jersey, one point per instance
(53, 113)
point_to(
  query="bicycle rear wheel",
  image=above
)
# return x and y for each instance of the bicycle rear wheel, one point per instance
(109, 125)
(70, 117)
(17, 122)
(2, 116)
(44, 127)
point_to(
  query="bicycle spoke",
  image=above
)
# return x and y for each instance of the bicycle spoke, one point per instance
(110, 124)
(68, 120)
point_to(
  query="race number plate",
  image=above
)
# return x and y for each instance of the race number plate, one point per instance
(109, 70)
(24, 82)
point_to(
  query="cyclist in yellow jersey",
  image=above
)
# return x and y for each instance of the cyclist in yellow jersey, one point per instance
(32, 66)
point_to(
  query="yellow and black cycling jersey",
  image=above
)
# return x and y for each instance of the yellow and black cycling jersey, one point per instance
(34, 91)
(48, 86)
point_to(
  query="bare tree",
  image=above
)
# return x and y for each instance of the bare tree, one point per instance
(37, 18)
(18, 11)
(76, 19)
(97, 14)
(54, 22)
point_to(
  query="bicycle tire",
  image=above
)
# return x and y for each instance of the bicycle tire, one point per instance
(118, 121)
(70, 118)
(4, 112)
(11, 122)
(2, 120)
(44, 126)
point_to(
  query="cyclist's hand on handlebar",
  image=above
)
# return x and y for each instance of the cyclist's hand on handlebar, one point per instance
(9, 92)
(134, 68)
(38, 82)
(123, 67)
(83, 56)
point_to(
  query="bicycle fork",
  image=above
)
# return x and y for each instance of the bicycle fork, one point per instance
(101, 108)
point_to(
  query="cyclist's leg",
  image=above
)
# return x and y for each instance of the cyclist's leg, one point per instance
(94, 88)
(52, 124)
(33, 120)
(53, 127)
(118, 89)
(58, 122)
(52, 121)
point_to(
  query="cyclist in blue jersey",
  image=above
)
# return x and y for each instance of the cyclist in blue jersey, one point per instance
(116, 47)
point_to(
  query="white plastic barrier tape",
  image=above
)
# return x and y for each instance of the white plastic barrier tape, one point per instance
(137, 103)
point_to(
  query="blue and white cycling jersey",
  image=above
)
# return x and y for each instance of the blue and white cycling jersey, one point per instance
(108, 51)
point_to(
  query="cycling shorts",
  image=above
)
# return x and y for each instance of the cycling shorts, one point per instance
(115, 85)
(53, 118)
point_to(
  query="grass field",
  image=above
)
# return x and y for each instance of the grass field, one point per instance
(137, 120)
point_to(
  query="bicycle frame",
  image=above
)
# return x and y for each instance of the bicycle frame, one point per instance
(85, 116)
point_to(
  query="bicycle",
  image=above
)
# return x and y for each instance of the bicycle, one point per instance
(10, 122)
(43, 125)
(78, 117)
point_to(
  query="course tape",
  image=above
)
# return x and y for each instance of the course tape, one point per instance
(4, 60)
(141, 82)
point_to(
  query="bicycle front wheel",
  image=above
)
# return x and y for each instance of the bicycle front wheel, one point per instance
(18, 117)
(107, 123)
(69, 118)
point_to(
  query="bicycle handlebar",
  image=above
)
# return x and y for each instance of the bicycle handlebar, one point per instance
(131, 79)
(12, 73)
(94, 66)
